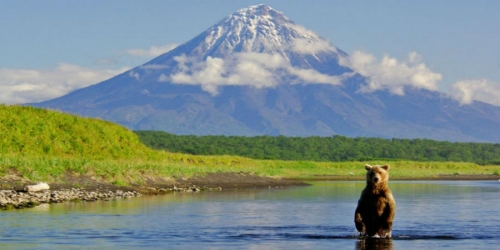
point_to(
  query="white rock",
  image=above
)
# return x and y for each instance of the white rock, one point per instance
(38, 187)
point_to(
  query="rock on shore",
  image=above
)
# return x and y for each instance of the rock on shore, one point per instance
(23, 199)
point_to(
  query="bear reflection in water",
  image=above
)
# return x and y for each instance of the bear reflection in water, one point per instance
(374, 244)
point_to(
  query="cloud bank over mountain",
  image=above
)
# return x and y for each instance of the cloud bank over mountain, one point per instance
(483, 90)
(254, 46)
(256, 69)
(391, 74)
(245, 68)
(32, 85)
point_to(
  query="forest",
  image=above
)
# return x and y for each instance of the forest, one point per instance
(334, 149)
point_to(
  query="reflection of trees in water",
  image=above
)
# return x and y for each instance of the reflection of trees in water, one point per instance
(374, 244)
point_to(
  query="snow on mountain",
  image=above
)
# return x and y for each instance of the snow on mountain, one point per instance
(255, 46)
(259, 29)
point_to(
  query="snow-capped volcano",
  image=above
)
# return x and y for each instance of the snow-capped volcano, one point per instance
(256, 72)
(256, 46)
(260, 29)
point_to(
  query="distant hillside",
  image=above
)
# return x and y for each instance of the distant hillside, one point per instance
(333, 149)
(35, 131)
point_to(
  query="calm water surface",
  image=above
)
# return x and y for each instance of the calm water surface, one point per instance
(430, 214)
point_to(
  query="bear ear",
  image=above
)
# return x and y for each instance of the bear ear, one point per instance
(368, 167)
(386, 167)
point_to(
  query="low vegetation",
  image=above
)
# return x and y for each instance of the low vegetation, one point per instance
(28, 131)
(44, 145)
(335, 148)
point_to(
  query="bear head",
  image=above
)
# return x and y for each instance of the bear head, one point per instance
(377, 174)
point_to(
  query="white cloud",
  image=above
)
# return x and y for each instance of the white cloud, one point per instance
(313, 76)
(163, 78)
(255, 69)
(35, 85)
(134, 75)
(245, 69)
(306, 46)
(466, 91)
(303, 31)
(30, 85)
(308, 42)
(152, 51)
(391, 74)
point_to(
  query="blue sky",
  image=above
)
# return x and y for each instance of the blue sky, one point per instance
(56, 46)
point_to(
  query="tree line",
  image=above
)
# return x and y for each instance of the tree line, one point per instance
(315, 148)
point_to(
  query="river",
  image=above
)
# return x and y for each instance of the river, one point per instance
(429, 214)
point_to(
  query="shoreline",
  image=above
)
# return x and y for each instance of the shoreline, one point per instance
(479, 177)
(13, 196)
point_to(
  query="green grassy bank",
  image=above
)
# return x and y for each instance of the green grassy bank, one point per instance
(124, 172)
(43, 145)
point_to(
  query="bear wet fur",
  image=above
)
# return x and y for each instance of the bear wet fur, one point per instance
(376, 206)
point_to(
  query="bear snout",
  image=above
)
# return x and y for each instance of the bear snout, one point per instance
(376, 178)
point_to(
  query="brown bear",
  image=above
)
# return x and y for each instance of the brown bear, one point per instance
(376, 206)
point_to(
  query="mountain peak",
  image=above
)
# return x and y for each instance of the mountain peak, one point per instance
(260, 10)
(255, 46)
(257, 28)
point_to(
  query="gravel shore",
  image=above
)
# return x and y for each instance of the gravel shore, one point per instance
(20, 199)
(14, 190)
